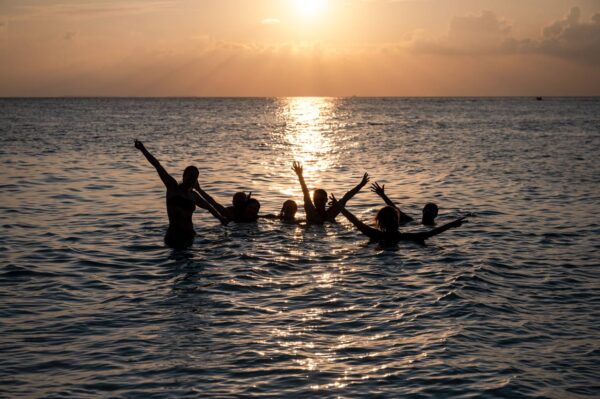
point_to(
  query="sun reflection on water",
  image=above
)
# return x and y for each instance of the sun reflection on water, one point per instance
(308, 136)
(308, 132)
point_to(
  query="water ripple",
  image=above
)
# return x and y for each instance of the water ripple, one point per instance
(93, 303)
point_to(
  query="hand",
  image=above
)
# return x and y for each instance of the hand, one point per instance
(459, 222)
(297, 167)
(377, 189)
(333, 201)
(249, 195)
(139, 145)
(365, 180)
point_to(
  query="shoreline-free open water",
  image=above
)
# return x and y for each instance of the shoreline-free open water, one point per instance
(93, 304)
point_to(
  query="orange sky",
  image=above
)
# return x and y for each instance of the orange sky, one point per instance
(284, 48)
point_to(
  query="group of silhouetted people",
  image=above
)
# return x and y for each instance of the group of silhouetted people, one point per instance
(182, 199)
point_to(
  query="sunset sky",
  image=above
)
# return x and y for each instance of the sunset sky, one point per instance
(299, 48)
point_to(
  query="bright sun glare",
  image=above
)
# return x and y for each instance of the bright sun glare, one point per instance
(310, 8)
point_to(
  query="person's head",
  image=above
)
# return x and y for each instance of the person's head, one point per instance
(251, 210)
(320, 198)
(288, 210)
(190, 176)
(388, 219)
(239, 200)
(430, 212)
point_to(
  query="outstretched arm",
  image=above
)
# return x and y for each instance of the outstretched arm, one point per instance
(166, 178)
(421, 237)
(380, 190)
(209, 200)
(366, 230)
(309, 207)
(202, 203)
(332, 212)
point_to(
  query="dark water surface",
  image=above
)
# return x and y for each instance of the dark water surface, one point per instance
(93, 304)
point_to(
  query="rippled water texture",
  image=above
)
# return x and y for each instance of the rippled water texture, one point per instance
(93, 304)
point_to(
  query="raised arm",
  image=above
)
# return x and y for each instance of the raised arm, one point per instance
(332, 212)
(380, 190)
(166, 178)
(202, 203)
(366, 230)
(421, 237)
(311, 212)
(209, 201)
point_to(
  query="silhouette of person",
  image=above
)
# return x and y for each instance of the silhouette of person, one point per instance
(181, 201)
(287, 213)
(430, 210)
(237, 212)
(388, 221)
(316, 212)
(250, 213)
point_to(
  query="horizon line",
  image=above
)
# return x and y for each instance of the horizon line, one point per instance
(301, 96)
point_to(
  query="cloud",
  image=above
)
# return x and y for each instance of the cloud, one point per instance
(571, 38)
(481, 34)
(270, 21)
(475, 29)
(488, 34)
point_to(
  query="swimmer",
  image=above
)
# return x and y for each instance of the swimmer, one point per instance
(430, 210)
(235, 212)
(388, 221)
(251, 211)
(316, 213)
(287, 213)
(181, 201)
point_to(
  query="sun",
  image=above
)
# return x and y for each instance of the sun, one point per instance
(310, 8)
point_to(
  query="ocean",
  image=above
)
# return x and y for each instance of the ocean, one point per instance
(93, 304)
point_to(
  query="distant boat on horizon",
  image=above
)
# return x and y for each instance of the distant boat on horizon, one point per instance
(539, 98)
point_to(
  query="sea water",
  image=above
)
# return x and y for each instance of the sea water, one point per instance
(93, 304)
